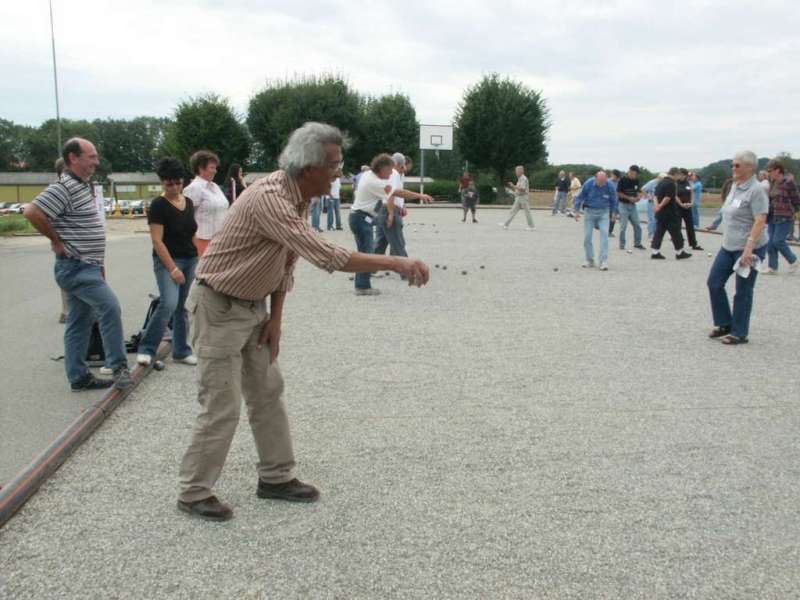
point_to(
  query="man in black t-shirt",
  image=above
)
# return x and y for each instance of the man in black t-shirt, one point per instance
(667, 218)
(628, 193)
(684, 192)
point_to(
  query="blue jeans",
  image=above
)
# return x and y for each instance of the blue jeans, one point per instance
(173, 298)
(651, 218)
(315, 209)
(629, 212)
(559, 202)
(89, 298)
(696, 214)
(778, 232)
(365, 242)
(334, 209)
(721, 270)
(596, 217)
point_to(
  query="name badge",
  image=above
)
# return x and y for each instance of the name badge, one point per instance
(737, 203)
(368, 220)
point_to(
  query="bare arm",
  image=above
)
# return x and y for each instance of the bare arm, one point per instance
(41, 223)
(755, 233)
(157, 236)
(414, 270)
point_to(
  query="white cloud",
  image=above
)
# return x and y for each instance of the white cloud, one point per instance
(626, 80)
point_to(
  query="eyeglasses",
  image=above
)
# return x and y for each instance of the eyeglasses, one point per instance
(335, 166)
(737, 165)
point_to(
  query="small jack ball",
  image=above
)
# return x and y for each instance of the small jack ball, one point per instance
(709, 254)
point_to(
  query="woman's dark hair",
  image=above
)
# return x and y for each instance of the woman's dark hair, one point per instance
(776, 163)
(200, 160)
(381, 161)
(235, 172)
(170, 168)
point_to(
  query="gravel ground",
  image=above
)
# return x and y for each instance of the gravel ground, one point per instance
(515, 432)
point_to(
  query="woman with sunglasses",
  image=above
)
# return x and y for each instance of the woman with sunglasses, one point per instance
(745, 217)
(172, 230)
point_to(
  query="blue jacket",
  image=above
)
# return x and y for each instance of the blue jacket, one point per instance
(594, 196)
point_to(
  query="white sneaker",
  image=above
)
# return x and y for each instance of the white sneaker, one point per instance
(144, 359)
(603, 266)
(794, 266)
(186, 360)
(503, 225)
(768, 271)
(588, 265)
(529, 229)
(106, 371)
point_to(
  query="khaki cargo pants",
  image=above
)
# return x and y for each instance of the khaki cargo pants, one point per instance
(225, 334)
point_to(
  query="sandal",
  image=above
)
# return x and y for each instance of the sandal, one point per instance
(731, 340)
(719, 332)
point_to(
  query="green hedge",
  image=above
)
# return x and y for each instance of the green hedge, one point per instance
(10, 224)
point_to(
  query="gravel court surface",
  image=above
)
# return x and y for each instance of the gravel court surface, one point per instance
(513, 432)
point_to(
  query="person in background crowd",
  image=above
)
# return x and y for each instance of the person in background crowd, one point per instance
(613, 180)
(210, 204)
(628, 194)
(649, 191)
(562, 189)
(237, 338)
(373, 188)
(521, 191)
(723, 195)
(763, 180)
(684, 199)
(469, 196)
(66, 213)
(314, 209)
(234, 183)
(335, 205)
(745, 237)
(667, 217)
(172, 231)
(574, 190)
(599, 197)
(697, 196)
(783, 202)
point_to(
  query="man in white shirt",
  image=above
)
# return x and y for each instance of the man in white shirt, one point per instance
(372, 191)
(521, 201)
(390, 218)
(335, 205)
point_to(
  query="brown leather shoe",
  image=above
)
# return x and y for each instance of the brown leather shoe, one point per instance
(208, 508)
(293, 491)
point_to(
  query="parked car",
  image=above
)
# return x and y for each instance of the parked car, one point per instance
(124, 207)
(16, 208)
(137, 207)
(4, 208)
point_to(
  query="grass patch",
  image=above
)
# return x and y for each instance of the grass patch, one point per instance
(11, 224)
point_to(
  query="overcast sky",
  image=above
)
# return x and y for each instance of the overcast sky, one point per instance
(657, 83)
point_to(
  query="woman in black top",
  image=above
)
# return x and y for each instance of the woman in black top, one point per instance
(234, 183)
(172, 230)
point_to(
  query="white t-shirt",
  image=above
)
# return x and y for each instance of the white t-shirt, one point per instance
(336, 187)
(370, 191)
(396, 181)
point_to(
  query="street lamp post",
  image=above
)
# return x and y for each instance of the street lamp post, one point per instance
(55, 78)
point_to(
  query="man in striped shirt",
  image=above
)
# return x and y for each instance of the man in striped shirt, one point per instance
(237, 339)
(67, 214)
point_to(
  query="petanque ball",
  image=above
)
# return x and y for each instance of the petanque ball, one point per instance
(463, 272)
(555, 268)
(159, 365)
(444, 267)
(482, 267)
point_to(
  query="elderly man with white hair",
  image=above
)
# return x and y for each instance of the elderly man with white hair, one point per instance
(237, 338)
(744, 214)
(599, 197)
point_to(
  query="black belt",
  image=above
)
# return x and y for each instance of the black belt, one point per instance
(363, 212)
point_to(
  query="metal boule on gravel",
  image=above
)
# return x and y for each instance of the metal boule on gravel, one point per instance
(159, 365)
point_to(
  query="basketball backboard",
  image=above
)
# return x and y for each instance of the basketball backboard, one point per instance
(436, 137)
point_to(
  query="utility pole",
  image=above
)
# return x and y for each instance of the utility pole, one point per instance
(55, 79)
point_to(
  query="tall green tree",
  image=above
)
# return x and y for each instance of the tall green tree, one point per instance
(283, 106)
(390, 125)
(41, 145)
(129, 145)
(12, 145)
(207, 123)
(501, 123)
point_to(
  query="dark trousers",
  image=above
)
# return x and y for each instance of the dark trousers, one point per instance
(361, 226)
(391, 237)
(688, 221)
(668, 222)
(721, 271)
